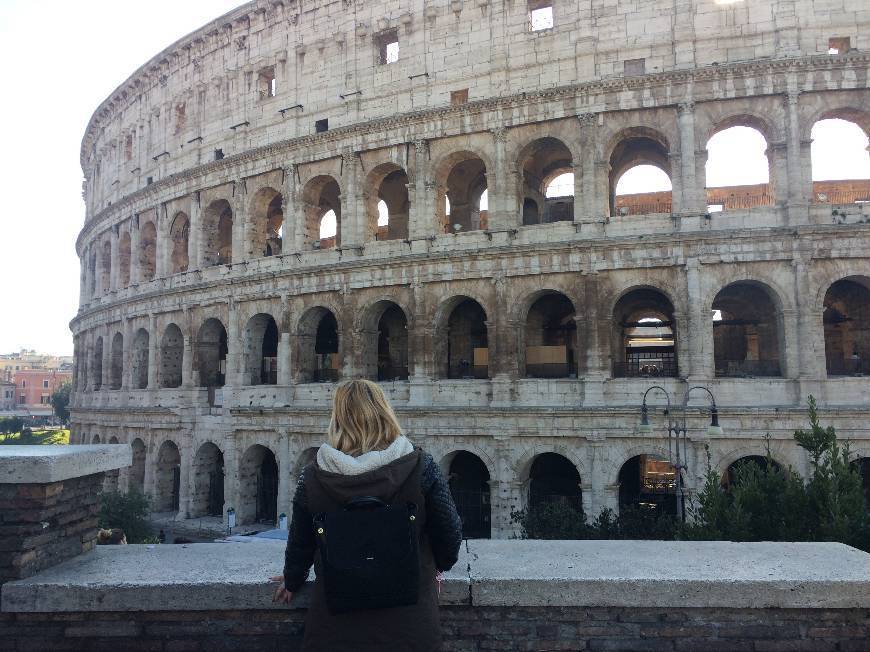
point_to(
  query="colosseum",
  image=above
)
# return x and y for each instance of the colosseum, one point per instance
(426, 194)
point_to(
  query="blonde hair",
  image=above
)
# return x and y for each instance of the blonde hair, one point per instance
(362, 419)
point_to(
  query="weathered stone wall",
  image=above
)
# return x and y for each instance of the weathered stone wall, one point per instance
(465, 629)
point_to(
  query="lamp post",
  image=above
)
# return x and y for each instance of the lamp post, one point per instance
(678, 435)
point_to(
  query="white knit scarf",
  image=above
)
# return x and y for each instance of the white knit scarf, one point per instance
(333, 460)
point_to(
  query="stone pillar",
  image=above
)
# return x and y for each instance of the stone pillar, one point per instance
(150, 479)
(288, 204)
(187, 362)
(285, 477)
(164, 250)
(502, 212)
(778, 156)
(700, 330)
(234, 351)
(114, 274)
(422, 216)
(693, 196)
(810, 327)
(800, 186)
(153, 348)
(284, 361)
(240, 217)
(127, 371)
(676, 175)
(135, 274)
(586, 200)
(231, 474)
(185, 479)
(352, 210)
(194, 243)
(107, 358)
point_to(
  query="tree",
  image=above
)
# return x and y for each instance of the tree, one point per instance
(60, 402)
(128, 511)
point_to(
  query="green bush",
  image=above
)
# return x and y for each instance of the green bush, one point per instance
(127, 511)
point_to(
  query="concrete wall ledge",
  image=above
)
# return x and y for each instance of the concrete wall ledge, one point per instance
(46, 464)
(647, 574)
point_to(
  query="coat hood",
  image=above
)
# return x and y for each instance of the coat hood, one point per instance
(381, 482)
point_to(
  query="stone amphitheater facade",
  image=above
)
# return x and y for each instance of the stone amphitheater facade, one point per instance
(215, 315)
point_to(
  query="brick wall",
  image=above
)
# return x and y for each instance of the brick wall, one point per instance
(44, 524)
(465, 628)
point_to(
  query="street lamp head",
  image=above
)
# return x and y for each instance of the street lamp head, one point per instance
(644, 426)
(714, 428)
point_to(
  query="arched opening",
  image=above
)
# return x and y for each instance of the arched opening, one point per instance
(732, 476)
(551, 334)
(137, 468)
(840, 154)
(261, 357)
(217, 234)
(171, 357)
(465, 341)
(265, 234)
(548, 182)
(387, 202)
(322, 201)
(640, 173)
(124, 260)
(847, 327)
(140, 359)
(167, 478)
(468, 478)
(106, 267)
(211, 351)
(746, 331)
(385, 343)
(643, 339)
(147, 251)
(97, 365)
(258, 487)
(96, 440)
(738, 170)
(179, 234)
(462, 203)
(207, 498)
(116, 362)
(318, 340)
(862, 465)
(647, 482)
(553, 479)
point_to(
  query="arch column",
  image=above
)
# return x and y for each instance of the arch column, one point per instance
(700, 326)
(127, 364)
(676, 167)
(810, 340)
(150, 469)
(153, 344)
(231, 474)
(693, 199)
(352, 207)
(799, 185)
(235, 373)
(285, 477)
(422, 213)
(184, 489)
(164, 250)
(107, 358)
(240, 218)
(135, 273)
(194, 243)
(587, 199)
(779, 172)
(114, 273)
(187, 361)
(499, 215)
(788, 327)
(284, 361)
(288, 202)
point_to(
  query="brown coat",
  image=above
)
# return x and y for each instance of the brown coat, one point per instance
(413, 628)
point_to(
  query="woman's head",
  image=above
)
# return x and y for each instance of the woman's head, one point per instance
(362, 420)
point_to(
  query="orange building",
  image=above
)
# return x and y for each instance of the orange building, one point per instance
(34, 387)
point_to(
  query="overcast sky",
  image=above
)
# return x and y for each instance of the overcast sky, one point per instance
(60, 59)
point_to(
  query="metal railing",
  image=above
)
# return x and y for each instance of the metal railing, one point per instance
(645, 369)
(747, 368)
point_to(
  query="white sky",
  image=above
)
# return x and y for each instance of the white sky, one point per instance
(59, 61)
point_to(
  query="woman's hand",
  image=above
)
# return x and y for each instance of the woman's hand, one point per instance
(282, 595)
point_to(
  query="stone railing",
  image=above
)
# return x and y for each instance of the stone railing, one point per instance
(501, 595)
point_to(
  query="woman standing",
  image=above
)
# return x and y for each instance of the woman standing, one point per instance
(368, 463)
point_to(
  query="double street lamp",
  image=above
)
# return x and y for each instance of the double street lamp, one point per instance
(678, 434)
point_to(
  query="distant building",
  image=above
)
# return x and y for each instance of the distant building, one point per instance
(7, 396)
(34, 387)
(10, 363)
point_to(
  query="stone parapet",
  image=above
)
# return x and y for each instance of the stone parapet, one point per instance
(505, 595)
(49, 500)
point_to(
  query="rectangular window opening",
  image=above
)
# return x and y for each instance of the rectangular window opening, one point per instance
(388, 46)
(540, 16)
(321, 125)
(839, 45)
(459, 97)
(218, 154)
(267, 85)
(634, 67)
(149, 181)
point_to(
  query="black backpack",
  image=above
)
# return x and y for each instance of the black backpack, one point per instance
(370, 555)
